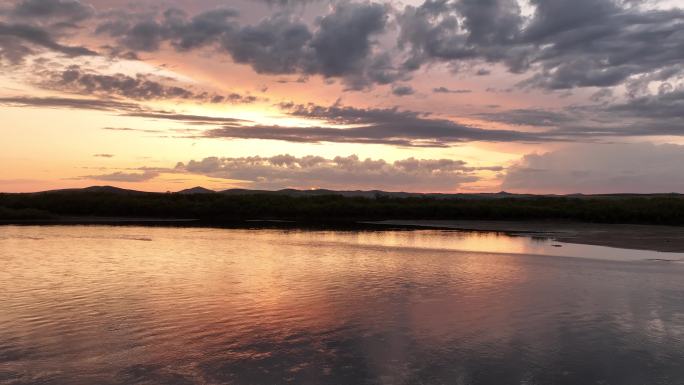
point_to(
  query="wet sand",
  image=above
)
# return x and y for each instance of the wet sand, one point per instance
(640, 237)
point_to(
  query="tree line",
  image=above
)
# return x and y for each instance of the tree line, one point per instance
(661, 209)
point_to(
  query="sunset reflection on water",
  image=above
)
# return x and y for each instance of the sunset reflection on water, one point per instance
(113, 305)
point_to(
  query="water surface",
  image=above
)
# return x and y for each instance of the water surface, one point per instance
(136, 305)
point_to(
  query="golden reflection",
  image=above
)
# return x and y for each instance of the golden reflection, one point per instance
(84, 301)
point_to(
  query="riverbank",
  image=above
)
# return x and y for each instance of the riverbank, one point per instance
(640, 237)
(626, 236)
(99, 221)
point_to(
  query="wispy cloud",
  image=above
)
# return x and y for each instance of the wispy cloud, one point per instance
(121, 176)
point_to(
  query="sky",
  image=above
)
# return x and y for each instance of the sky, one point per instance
(470, 96)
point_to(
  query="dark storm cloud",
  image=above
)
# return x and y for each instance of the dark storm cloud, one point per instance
(342, 43)
(339, 44)
(12, 50)
(403, 90)
(653, 115)
(275, 46)
(64, 10)
(32, 26)
(490, 23)
(660, 114)
(530, 117)
(380, 126)
(144, 36)
(201, 29)
(147, 32)
(566, 44)
(599, 44)
(366, 135)
(665, 106)
(139, 87)
(434, 31)
(16, 41)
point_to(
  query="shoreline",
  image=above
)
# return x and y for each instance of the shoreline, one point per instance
(625, 236)
(96, 221)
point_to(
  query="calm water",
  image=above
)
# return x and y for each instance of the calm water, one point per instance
(133, 305)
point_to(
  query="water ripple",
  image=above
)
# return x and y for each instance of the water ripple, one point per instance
(133, 305)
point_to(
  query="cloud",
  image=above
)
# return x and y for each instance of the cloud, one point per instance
(285, 171)
(660, 114)
(127, 129)
(12, 50)
(591, 43)
(433, 31)
(563, 44)
(122, 108)
(147, 33)
(103, 155)
(120, 176)
(340, 44)
(61, 10)
(566, 44)
(138, 87)
(530, 117)
(31, 26)
(57, 102)
(201, 29)
(444, 90)
(600, 168)
(402, 90)
(289, 2)
(277, 45)
(15, 37)
(380, 126)
(652, 115)
(655, 115)
(187, 118)
(663, 106)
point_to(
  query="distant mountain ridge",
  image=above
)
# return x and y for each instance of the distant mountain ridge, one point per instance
(100, 189)
(196, 190)
(350, 193)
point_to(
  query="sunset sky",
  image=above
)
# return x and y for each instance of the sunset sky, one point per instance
(540, 96)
